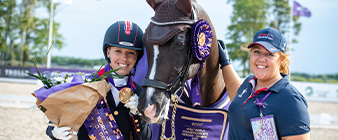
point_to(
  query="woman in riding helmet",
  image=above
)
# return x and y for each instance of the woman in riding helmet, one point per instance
(122, 48)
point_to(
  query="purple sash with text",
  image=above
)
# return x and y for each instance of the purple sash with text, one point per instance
(100, 123)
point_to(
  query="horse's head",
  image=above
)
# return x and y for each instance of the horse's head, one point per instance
(170, 57)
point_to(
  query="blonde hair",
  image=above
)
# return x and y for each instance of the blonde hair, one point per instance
(285, 62)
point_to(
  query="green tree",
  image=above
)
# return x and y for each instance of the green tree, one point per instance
(7, 14)
(26, 27)
(23, 34)
(249, 16)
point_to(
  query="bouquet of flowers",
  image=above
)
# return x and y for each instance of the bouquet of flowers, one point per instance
(68, 100)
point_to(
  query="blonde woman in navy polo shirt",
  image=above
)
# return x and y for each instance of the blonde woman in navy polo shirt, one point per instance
(266, 105)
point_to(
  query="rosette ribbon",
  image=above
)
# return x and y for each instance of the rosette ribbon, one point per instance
(201, 40)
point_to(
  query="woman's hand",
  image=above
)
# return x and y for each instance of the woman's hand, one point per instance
(63, 133)
(224, 57)
(132, 104)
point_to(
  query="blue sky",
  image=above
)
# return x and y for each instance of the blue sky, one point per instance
(84, 22)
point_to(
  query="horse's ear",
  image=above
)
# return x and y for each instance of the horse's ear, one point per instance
(184, 6)
(154, 3)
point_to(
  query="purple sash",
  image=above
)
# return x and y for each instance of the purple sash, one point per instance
(100, 123)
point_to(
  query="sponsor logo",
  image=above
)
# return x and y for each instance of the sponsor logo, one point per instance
(284, 46)
(244, 91)
(126, 43)
(266, 36)
(128, 27)
(272, 49)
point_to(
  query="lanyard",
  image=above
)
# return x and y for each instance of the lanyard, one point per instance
(253, 94)
(261, 104)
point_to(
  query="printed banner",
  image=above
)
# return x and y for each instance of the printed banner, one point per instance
(14, 72)
(322, 92)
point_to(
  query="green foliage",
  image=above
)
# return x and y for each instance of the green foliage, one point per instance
(69, 61)
(23, 34)
(333, 81)
(303, 77)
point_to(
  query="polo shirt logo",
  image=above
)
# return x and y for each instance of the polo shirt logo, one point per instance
(244, 91)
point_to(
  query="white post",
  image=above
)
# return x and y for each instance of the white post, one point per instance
(51, 16)
(290, 32)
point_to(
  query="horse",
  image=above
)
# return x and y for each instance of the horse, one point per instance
(170, 61)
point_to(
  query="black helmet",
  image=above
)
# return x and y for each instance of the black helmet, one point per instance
(124, 34)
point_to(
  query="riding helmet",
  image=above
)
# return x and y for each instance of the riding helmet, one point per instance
(124, 34)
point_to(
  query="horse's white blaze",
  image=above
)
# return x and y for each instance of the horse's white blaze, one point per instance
(151, 109)
(150, 90)
(153, 68)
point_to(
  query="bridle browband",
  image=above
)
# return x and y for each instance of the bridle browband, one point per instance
(183, 74)
(193, 19)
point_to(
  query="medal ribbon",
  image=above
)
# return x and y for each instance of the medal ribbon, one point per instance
(195, 94)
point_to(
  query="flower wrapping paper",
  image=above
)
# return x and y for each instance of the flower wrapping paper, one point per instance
(69, 104)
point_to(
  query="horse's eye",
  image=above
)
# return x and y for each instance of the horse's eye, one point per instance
(180, 44)
(180, 41)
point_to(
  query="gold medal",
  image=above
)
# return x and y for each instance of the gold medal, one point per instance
(125, 94)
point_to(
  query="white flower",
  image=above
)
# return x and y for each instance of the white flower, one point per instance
(69, 79)
(57, 80)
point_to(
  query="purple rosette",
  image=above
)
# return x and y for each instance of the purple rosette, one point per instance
(43, 93)
(201, 40)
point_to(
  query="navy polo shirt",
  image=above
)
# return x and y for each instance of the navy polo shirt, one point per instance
(285, 103)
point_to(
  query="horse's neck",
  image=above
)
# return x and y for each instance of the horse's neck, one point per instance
(211, 85)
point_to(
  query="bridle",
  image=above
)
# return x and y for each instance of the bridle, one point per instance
(182, 76)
